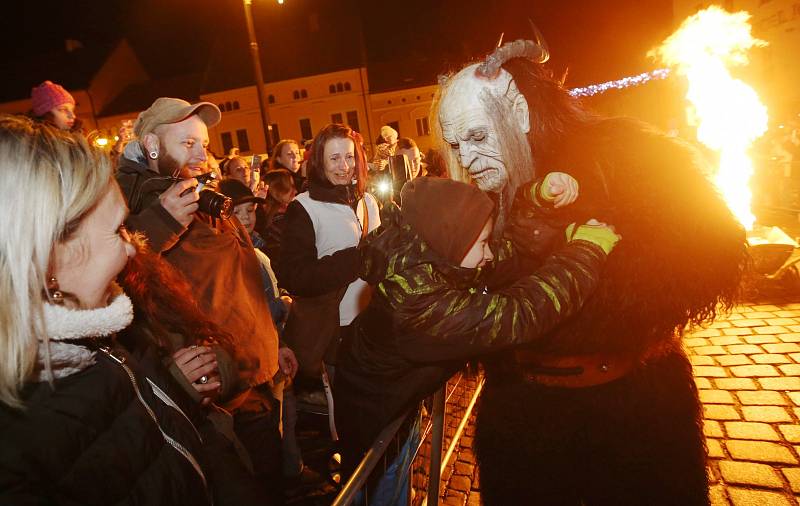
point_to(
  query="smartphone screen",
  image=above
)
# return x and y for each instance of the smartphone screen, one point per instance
(255, 162)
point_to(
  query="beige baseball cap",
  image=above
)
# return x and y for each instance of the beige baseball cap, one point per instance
(166, 110)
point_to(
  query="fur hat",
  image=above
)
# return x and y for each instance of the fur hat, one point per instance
(166, 110)
(47, 96)
(447, 214)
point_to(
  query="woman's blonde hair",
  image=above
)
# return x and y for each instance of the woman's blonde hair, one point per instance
(49, 180)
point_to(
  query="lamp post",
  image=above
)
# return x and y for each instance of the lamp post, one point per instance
(262, 100)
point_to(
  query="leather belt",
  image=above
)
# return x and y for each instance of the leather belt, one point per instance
(573, 371)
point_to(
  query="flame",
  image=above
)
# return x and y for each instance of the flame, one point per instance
(726, 111)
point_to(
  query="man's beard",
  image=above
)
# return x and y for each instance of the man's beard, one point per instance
(168, 166)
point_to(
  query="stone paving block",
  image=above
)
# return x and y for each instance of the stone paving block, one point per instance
(771, 329)
(760, 451)
(744, 349)
(761, 397)
(782, 348)
(725, 340)
(790, 432)
(761, 315)
(747, 322)
(712, 428)
(710, 350)
(795, 357)
(794, 328)
(714, 449)
(464, 469)
(791, 337)
(460, 483)
(766, 307)
(769, 414)
(701, 360)
(455, 498)
(761, 339)
(702, 383)
(752, 431)
(794, 397)
(787, 313)
(735, 383)
(745, 497)
(736, 331)
(734, 316)
(704, 371)
(792, 475)
(705, 333)
(720, 412)
(790, 370)
(721, 325)
(474, 498)
(729, 360)
(780, 322)
(716, 495)
(754, 371)
(771, 358)
(749, 473)
(792, 383)
(717, 397)
(693, 342)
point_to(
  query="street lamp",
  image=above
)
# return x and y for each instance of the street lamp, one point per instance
(262, 100)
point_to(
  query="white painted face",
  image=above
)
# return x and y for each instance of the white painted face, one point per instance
(467, 128)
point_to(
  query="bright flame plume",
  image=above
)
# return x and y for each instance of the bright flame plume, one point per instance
(726, 111)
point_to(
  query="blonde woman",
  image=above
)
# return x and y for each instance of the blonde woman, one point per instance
(80, 421)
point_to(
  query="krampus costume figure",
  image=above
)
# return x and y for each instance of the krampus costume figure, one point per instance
(603, 410)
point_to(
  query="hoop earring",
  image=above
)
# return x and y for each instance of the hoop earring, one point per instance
(153, 155)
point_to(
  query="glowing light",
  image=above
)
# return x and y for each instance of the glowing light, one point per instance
(384, 187)
(726, 111)
(619, 84)
(101, 141)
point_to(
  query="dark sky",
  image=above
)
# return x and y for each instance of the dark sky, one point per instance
(405, 45)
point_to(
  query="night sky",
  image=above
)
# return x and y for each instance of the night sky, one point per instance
(406, 45)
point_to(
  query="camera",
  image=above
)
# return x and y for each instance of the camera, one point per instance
(211, 202)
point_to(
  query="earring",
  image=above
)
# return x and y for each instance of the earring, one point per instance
(53, 291)
(153, 155)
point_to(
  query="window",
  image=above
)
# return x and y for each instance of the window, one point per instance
(227, 142)
(305, 129)
(422, 127)
(235, 105)
(244, 142)
(339, 87)
(221, 107)
(271, 99)
(332, 88)
(228, 106)
(296, 95)
(352, 120)
(336, 118)
(303, 93)
(276, 134)
(347, 86)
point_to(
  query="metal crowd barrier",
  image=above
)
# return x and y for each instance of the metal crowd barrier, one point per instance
(437, 462)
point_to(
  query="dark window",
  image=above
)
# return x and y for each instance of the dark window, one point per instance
(336, 118)
(339, 87)
(235, 104)
(221, 107)
(332, 88)
(352, 120)
(303, 93)
(396, 126)
(227, 142)
(347, 86)
(305, 129)
(276, 134)
(228, 106)
(422, 127)
(271, 99)
(244, 142)
(295, 94)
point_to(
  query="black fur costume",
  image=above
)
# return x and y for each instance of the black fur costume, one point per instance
(636, 440)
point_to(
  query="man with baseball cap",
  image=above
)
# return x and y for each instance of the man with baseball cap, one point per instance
(157, 176)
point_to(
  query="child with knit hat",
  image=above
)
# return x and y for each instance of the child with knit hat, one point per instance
(430, 313)
(53, 104)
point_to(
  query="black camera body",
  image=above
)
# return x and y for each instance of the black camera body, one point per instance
(211, 202)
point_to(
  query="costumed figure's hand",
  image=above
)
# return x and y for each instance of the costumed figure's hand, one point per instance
(594, 232)
(287, 362)
(199, 365)
(559, 188)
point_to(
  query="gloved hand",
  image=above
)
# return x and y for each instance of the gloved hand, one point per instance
(596, 233)
(559, 188)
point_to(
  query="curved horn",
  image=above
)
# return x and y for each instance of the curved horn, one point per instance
(535, 50)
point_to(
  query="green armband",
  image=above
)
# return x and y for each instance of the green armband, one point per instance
(599, 235)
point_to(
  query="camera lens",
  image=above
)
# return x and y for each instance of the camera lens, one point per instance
(215, 204)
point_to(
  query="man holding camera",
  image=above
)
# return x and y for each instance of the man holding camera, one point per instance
(159, 174)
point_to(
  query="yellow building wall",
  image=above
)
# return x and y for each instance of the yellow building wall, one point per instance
(405, 107)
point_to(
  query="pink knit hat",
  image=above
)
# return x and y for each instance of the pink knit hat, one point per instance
(47, 96)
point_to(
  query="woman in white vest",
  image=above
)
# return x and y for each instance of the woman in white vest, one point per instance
(324, 225)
